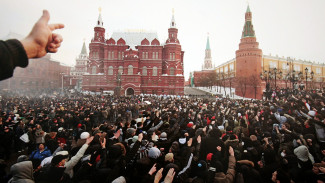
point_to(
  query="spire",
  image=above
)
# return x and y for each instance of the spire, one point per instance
(208, 43)
(248, 9)
(248, 30)
(173, 23)
(84, 49)
(100, 21)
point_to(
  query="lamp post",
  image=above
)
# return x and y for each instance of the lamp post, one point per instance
(62, 74)
(311, 75)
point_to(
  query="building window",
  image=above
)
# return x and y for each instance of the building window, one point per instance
(285, 66)
(173, 56)
(272, 65)
(154, 71)
(113, 55)
(231, 66)
(144, 71)
(130, 70)
(110, 70)
(172, 71)
(120, 69)
(226, 69)
(93, 70)
(157, 55)
(170, 56)
(318, 71)
(297, 68)
(109, 55)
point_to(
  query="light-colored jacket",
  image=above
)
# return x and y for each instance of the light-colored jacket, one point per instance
(74, 160)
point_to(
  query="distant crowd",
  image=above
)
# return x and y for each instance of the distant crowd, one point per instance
(144, 139)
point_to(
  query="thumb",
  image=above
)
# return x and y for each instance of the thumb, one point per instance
(45, 17)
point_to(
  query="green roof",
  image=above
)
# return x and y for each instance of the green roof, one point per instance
(248, 10)
(208, 44)
(248, 30)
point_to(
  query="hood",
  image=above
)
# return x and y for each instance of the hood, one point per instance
(22, 170)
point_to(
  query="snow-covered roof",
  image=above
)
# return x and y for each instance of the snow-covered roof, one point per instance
(134, 38)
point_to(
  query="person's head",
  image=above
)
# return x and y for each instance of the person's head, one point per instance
(59, 160)
(280, 176)
(41, 146)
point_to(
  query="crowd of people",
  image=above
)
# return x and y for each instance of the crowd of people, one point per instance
(95, 138)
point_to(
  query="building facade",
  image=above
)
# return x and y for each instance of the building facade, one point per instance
(255, 73)
(207, 68)
(135, 62)
(80, 68)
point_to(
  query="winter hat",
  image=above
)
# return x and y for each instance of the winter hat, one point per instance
(154, 153)
(84, 135)
(169, 157)
(120, 179)
(175, 147)
(60, 129)
(190, 124)
(64, 153)
(202, 168)
(79, 125)
(130, 131)
(57, 159)
(22, 158)
(114, 151)
(134, 139)
(209, 156)
(163, 136)
(302, 153)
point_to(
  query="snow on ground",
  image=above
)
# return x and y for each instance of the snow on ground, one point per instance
(225, 92)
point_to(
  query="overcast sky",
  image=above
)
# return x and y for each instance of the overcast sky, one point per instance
(289, 28)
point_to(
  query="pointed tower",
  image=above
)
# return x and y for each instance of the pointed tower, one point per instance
(173, 58)
(249, 60)
(207, 60)
(99, 31)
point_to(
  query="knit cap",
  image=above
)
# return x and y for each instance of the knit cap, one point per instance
(154, 153)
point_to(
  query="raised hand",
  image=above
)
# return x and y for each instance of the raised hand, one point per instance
(41, 40)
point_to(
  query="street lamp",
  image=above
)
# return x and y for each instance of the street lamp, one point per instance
(311, 75)
(62, 74)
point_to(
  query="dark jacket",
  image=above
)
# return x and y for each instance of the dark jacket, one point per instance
(12, 54)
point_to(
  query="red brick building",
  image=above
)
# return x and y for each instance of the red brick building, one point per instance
(135, 62)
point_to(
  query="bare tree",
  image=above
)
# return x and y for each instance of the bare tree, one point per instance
(254, 82)
(242, 82)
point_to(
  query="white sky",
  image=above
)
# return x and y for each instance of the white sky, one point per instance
(286, 28)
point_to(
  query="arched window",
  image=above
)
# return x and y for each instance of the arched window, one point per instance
(144, 71)
(154, 71)
(120, 69)
(130, 70)
(172, 71)
(93, 70)
(157, 56)
(110, 70)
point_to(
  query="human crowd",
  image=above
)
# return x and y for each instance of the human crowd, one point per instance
(96, 138)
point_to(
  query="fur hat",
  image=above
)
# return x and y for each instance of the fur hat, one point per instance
(154, 153)
(84, 135)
